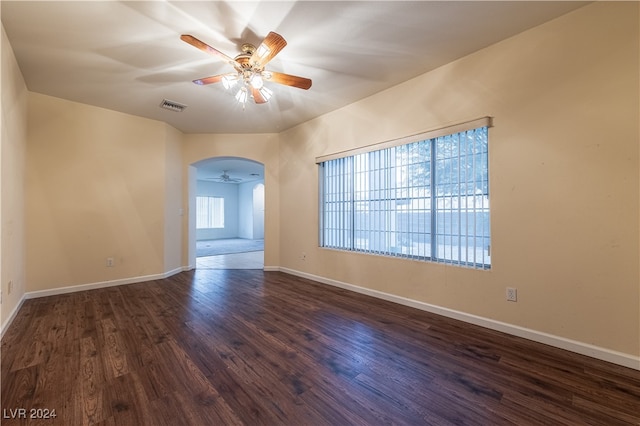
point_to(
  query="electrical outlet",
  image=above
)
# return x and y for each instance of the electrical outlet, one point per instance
(303, 256)
(109, 262)
(512, 294)
(10, 287)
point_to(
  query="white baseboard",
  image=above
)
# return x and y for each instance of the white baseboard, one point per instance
(11, 317)
(101, 284)
(271, 268)
(620, 358)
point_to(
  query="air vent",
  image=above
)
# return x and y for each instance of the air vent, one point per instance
(172, 106)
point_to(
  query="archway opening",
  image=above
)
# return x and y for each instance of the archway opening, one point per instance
(226, 228)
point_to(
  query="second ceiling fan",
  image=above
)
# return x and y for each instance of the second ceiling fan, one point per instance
(249, 66)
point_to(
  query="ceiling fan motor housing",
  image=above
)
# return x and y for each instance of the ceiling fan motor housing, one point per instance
(248, 48)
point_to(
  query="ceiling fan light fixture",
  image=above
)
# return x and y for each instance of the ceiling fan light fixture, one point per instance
(242, 95)
(228, 81)
(266, 93)
(256, 81)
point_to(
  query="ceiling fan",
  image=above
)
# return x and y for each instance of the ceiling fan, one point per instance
(224, 177)
(249, 65)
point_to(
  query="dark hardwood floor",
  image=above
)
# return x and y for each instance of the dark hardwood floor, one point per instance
(217, 347)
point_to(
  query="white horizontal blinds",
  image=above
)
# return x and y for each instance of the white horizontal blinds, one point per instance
(426, 199)
(461, 201)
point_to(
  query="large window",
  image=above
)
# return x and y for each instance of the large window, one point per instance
(209, 212)
(426, 199)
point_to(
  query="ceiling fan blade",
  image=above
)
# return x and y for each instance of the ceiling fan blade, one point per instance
(212, 79)
(257, 96)
(272, 44)
(208, 49)
(289, 80)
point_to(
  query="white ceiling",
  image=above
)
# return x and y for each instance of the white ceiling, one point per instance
(128, 56)
(239, 170)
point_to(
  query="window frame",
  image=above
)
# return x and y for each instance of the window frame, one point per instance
(215, 204)
(472, 244)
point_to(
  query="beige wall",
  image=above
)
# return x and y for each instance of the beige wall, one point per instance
(174, 210)
(13, 126)
(564, 163)
(564, 179)
(99, 184)
(262, 148)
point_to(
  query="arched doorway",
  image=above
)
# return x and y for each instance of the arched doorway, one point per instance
(227, 200)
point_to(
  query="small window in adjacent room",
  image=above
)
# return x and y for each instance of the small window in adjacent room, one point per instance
(424, 198)
(209, 212)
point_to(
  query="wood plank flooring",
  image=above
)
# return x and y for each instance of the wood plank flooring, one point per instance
(226, 347)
